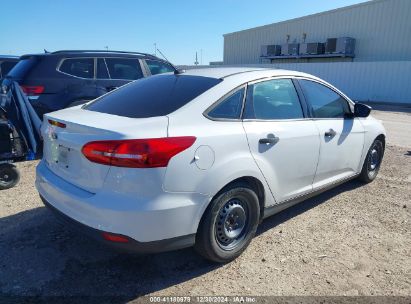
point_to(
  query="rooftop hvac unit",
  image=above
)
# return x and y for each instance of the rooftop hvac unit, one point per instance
(290, 49)
(270, 50)
(331, 45)
(312, 48)
(342, 45)
(345, 45)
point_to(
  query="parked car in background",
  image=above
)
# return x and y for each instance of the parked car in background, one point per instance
(202, 160)
(6, 64)
(62, 79)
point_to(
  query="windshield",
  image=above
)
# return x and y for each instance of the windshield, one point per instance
(153, 96)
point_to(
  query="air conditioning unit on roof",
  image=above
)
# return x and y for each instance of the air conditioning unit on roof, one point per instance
(270, 50)
(290, 49)
(315, 48)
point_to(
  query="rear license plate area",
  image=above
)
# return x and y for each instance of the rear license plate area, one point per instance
(63, 156)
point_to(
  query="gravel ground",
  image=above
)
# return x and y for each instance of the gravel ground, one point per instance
(352, 240)
(398, 125)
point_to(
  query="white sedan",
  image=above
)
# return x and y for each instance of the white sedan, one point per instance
(200, 157)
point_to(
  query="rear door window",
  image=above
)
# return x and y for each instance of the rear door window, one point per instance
(158, 67)
(229, 108)
(124, 68)
(143, 98)
(79, 67)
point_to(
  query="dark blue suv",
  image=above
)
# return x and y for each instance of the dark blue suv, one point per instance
(62, 79)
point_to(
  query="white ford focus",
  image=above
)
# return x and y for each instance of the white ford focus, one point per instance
(201, 157)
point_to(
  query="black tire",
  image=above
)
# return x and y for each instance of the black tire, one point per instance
(372, 162)
(229, 224)
(9, 176)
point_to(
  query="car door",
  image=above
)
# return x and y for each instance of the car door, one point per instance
(282, 139)
(341, 134)
(113, 72)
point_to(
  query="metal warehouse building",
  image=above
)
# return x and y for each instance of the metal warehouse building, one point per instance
(370, 60)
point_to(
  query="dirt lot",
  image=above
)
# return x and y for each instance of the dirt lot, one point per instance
(353, 240)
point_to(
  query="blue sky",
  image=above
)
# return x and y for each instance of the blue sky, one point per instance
(179, 27)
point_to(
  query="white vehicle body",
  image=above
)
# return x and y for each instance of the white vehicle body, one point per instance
(161, 208)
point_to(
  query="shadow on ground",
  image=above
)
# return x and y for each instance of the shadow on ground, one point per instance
(41, 258)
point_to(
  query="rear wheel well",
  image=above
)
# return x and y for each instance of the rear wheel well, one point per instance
(255, 184)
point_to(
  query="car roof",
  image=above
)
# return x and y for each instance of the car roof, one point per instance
(14, 58)
(102, 52)
(244, 74)
(96, 53)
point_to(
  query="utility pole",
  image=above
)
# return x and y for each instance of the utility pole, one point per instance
(196, 62)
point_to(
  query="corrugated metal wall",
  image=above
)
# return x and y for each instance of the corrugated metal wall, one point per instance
(382, 29)
(382, 81)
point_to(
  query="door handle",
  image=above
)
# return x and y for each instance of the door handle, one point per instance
(330, 133)
(268, 140)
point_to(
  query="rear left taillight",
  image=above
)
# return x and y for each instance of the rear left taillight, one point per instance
(136, 153)
(32, 90)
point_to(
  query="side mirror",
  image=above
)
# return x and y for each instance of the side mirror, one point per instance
(361, 110)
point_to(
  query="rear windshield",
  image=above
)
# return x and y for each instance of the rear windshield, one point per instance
(22, 67)
(153, 96)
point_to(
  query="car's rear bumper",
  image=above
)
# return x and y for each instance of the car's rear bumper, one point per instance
(163, 222)
(130, 246)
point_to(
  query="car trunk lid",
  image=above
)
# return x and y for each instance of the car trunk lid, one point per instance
(66, 132)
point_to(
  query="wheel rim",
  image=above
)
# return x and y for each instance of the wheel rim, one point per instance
(5, 178)
(374, 159)
(231, 224)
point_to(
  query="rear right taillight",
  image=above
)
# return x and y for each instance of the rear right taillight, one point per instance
(136, 153)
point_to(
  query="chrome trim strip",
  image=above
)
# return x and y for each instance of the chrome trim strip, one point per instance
(319, 81)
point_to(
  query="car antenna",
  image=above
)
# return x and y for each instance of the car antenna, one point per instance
(176, 71)
(162, 55)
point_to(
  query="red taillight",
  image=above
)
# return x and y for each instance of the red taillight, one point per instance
(32, 90)
(115, 238)
(57, 123)
(137, 153)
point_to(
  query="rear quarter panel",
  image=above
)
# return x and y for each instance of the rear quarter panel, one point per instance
(221, 146)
